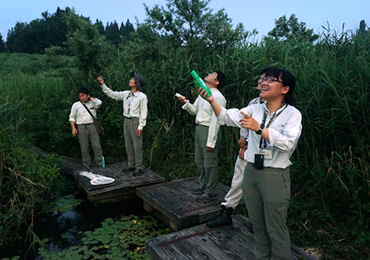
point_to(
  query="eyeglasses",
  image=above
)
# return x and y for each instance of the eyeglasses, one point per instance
(270, 80)
(213, 75)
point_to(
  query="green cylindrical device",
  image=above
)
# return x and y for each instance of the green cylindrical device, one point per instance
(200, 83)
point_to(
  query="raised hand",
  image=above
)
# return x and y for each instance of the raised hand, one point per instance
(202, 92)
(249, 122)
(101, 80)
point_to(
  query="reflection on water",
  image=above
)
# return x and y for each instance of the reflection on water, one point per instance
(64, 230)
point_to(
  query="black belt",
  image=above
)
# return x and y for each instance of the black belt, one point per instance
(86, 124)
(201, 125)
(128, 117)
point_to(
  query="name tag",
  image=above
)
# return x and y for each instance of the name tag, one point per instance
(267, 154)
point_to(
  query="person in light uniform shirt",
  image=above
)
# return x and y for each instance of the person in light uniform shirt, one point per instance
(274, 128)
(207, 137)
(135, 111)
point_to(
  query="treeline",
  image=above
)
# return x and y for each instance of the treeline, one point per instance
(52, 30)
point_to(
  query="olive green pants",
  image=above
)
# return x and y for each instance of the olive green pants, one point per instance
(88, 133)
(206, 161)
(133, 144)
(267, 194)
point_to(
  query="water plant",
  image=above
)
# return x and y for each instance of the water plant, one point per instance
(118, 238)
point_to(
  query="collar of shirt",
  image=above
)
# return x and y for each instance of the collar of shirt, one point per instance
(130, 94)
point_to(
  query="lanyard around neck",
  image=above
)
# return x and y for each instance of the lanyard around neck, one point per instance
(273, 117)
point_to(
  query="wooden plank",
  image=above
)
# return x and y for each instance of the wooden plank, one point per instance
(177, 203)
(122, 189)
(201, 242)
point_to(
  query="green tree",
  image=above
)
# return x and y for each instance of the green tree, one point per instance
(16, 38)
(99, 25)
(2, 44)
(126, 30)
(86, 43)
(287, 30)
(191, 23)
(362, 27)
(39, 34)
(112, 33)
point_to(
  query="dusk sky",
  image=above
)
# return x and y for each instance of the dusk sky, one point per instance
(253, 14)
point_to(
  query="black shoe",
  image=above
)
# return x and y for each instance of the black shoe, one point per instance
(89, 165)
(207, 198)
(223, 219)
(131, 169)
(197, 191)
(138, 172)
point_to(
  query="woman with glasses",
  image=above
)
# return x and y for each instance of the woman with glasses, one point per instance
(274, 128)
(235, 194)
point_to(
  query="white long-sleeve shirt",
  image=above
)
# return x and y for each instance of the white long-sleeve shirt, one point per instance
(244, 131)
(80, 115)
(204, 114)
(284, 132)
(134, 104)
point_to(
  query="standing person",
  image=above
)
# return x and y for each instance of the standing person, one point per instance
(83, 125)
(207, 137)
(235, 193)
(135, 111)
(273, 132)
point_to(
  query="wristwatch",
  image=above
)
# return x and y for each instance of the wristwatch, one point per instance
(259, 131)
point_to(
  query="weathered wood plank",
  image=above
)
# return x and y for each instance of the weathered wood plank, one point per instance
(200, 242)
(177, 203)
(122, 189)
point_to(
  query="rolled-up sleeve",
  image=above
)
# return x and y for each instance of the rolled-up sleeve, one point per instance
(97, 103)
(73, 114)
(244, 133)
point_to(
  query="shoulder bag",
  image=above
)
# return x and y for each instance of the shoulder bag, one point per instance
(97, 125)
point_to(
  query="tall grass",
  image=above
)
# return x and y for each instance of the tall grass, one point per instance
(330, 174)
(27, 183)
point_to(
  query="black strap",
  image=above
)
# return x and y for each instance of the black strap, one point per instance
(88, 110)
(274, 116)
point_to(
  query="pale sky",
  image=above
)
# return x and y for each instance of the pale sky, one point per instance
(253, 14)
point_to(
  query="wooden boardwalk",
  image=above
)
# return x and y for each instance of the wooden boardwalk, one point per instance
(221, 243)
(122, 189)
(177, 205)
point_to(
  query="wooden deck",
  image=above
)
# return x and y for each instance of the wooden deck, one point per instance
(122, 189)
(177, 205)
(201, 242)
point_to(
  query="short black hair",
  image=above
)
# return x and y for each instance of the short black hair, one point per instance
(263, 71)
(288, 80)
(221, 79)
(83, 90)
